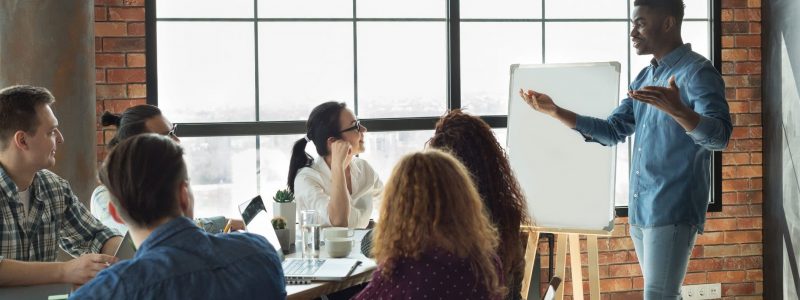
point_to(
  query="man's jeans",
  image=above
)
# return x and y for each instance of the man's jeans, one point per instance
(663, 254)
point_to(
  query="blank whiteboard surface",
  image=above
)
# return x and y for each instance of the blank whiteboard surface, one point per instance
(568, 183)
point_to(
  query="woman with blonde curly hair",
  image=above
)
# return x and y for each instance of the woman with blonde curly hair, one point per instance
(472, 141)
(435, 239)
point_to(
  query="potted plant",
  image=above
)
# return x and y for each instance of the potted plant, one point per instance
(284, 206)
(282, 232)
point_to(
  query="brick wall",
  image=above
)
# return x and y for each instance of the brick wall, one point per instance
(119, 58)
(730, 251)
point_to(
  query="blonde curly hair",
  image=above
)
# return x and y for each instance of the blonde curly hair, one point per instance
(430, 202)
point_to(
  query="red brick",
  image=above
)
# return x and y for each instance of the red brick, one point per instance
(705, 264)
(751, 249)
(136, 60)
(710, 238)
(721, 250)
(748, 68)
(743, 236)
(745, 15)
(123, 44)
(729, 159)
(754, 3)
(107, 60)
(742, 263)
(748, 171)
(756, 209)
(110, 29)
(615, 284)
(126, 75)
(732, 28)
(136, 29)
(626, 270)
(748, 145)
(734, 54)
(734, 185)
(109, 91)
(727, 42)
(755, 158)
(755, 275)
(100, 13)
(720, 224)
(749, 223)
(137, 90)
(747, 41)
(694, 278)
(734, 3)
(756, 132)
(727, 276)
(727, 15)
(746, 119)
(755, 106)
(736, 80)
(748, 93)
(740, 133)
(126, 13)
(616, 244)
(735, 211)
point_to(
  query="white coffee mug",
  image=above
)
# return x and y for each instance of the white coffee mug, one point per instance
(335, 232)
(339, 246)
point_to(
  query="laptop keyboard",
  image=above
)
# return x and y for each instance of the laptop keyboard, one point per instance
(298, 267)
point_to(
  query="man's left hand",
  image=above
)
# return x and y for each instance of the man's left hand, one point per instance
(666, 99)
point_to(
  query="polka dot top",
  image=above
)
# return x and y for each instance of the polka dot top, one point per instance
(437, 275)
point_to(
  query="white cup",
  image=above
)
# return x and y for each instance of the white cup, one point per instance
(339, 246)
(337, 232)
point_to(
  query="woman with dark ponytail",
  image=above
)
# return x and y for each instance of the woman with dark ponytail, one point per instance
(134, 121)
(340, 186)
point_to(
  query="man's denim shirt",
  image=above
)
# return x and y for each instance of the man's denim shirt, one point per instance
(670, 168)
(181, 261)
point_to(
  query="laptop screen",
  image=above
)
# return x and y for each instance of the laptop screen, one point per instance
(258, 221)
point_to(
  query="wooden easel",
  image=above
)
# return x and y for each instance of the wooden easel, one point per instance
(562, 236)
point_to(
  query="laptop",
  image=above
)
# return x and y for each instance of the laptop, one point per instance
(126, 249)
(258, 221)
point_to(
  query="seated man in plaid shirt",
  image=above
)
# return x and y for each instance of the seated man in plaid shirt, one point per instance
(38, 209)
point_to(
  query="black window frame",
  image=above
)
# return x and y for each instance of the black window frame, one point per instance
(453, 21)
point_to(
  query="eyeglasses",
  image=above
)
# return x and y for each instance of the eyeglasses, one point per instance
(171, 132)
(355, 127)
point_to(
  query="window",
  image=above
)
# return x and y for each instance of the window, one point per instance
(240, 76)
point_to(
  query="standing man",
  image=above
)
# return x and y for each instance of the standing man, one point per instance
(39, 210)
(678, 110)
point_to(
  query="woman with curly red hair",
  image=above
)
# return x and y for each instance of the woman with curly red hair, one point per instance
(434, 239)
(472, 141)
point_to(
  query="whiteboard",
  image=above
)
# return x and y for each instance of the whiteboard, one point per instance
(568, 183)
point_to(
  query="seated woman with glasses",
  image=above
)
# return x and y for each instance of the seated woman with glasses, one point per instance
(434, 239)
(134, 121)
(471, 140)
(341, 187)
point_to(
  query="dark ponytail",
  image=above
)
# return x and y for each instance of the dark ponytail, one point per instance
(129, 123)
(323, 123)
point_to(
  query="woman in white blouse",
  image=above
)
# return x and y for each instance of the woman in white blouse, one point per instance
(340, 186)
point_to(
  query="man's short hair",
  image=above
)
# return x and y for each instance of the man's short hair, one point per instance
(673, 8)
(18, 105)
(143, 174)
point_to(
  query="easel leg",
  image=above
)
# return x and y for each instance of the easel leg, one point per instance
(594, 273)
(561, 263)
(530, 256)
(575, 266)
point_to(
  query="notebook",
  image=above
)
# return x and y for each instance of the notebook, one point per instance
(296, 270)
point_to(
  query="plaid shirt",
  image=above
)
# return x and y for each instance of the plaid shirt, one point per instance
(55, 217)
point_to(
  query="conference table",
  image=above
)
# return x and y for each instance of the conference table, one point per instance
(362, 274)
